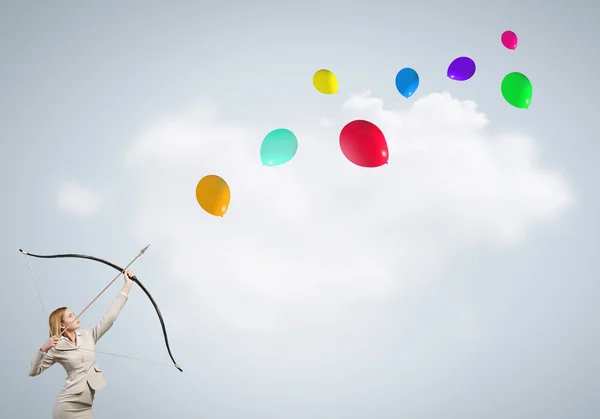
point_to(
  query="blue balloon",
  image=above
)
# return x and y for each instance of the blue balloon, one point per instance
(407, 82)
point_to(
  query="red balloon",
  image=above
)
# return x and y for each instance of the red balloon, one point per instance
(363, 143)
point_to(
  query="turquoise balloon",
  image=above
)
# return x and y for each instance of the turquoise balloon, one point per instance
(278, 147)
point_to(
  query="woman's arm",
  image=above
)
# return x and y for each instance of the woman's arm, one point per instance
(113, 312)
(41, 362)
(126, 288)
(43, 359)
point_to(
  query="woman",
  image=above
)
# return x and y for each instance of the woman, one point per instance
(74, 350)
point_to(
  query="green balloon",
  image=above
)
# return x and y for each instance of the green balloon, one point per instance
(278, 147)
(517, 90)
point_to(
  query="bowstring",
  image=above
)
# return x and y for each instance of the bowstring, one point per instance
(37, 288)
(128, 357)
(90, 350)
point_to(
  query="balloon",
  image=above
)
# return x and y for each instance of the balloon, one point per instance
(509, 39)
(363, 143)
(517, 90)
(461, 69)
(407, 82)
(325, 82)
(278, 147)
(213, 195)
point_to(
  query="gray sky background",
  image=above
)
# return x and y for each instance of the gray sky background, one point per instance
(458, 281)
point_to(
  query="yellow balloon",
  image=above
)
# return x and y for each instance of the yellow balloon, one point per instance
(213, 195)
(325, 82)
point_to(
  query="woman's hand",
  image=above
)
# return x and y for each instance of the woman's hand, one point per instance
(128, 276)
(50, 343)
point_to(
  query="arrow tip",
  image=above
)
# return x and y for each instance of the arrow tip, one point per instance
(144, 249)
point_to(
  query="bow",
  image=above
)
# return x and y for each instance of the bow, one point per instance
(118, 268)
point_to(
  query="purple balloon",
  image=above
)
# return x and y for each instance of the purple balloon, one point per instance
(461, 69)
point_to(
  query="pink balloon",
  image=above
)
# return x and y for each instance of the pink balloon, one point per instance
(509, 39)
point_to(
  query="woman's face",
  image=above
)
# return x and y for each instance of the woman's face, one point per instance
(68, 321)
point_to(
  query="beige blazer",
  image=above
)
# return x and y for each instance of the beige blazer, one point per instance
(80, 365)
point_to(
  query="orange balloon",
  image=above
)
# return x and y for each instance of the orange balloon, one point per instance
(213, 195)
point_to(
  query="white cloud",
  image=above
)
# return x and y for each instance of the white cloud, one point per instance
(325, 122)
(77, 199)
(304, 241)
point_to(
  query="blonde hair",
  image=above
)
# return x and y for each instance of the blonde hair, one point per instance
(55, 320)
